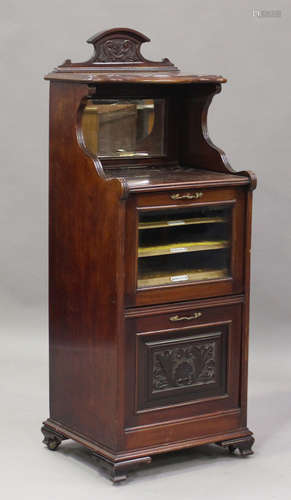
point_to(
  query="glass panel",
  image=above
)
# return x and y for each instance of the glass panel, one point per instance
(124, 127)
(183, 245)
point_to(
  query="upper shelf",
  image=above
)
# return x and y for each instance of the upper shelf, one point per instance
(117, 59)
(89, 76)
(158, 178)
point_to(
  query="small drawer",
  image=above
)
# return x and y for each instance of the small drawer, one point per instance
(176, 319)
(179, 197)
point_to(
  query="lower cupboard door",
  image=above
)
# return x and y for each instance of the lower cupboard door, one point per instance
(183, 364)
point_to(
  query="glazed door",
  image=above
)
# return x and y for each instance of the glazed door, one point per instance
(181, 247)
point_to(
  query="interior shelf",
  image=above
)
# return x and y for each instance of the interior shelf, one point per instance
(164, 278)
(181, 222)
(188, 244)
(182, 247)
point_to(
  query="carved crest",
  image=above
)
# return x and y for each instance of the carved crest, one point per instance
(118, 49)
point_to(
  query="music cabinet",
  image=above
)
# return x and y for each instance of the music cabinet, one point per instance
(150, 232)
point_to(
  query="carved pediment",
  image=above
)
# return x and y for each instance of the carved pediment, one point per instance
(118, 49)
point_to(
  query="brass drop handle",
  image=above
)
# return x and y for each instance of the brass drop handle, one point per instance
(196, 315)
(187, 196)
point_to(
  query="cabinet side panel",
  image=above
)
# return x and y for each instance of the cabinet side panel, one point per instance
(246, 307)
(86, 279)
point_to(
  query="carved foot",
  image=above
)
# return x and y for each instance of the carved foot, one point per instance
(118, 471)
(52, 438)
(244, 445)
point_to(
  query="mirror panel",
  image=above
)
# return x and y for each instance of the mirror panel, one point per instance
(124, 127)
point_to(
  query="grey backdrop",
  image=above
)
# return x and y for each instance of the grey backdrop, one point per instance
(250, 120)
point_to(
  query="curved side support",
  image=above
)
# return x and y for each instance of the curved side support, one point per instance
(198, 150)
(80, 136)
(205, 133)
(71, 131)
(94, 158)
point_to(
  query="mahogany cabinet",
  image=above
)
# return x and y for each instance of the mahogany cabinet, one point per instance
(149, 262)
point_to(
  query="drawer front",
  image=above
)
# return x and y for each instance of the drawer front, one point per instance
(184, 245)
(183, 363)
(182, 197)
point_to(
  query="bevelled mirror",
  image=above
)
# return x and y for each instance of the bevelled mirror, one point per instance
(124, 127)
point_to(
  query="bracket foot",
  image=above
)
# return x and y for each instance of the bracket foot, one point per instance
(118, 471)
(244, 445)
(52, 438)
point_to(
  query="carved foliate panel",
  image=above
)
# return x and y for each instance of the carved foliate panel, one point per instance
(117, 50)
(185, 365)
(175, 368)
